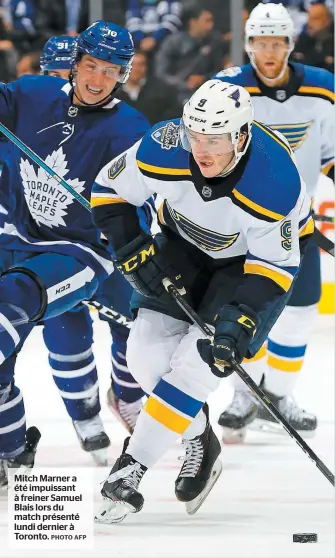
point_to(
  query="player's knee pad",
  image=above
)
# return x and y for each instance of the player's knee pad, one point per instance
(294, 326)
(152, 341)
(23, 289)
(189, 373)
(69, 333)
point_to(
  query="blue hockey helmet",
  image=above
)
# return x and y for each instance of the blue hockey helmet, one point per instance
(109, 42)
(57, 53)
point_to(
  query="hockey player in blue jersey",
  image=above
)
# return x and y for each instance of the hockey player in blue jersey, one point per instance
(54, 258)
(297, 101)
(69, 336)
(235, 220)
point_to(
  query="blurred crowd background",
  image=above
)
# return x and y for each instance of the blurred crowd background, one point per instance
(179, 44)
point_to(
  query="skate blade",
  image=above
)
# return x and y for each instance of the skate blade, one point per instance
(231, 436)
(193, 506)
(100, 457)
(113, 512)
(266, 426)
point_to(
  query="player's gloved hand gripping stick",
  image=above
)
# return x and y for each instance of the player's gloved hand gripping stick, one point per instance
(234, 366)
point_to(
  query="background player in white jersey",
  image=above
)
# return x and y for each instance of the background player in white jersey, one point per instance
(53, 257)
(297, 101)
(234, 220)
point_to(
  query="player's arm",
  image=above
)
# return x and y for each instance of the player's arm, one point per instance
(120, 189)
(8, 103)
(327, 139)
(272, 261)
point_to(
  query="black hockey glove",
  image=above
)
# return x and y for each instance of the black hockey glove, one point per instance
(235, 327)
(145, 262)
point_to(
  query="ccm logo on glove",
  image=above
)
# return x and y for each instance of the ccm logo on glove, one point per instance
(138, 259)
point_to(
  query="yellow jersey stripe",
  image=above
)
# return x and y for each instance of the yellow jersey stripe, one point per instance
(274, 136)
(308, 228)
(317, 91)
(163, 170)
(325, 170)
(253, 89)
(166, 416)
(260, 354)
(282, 280)
(256, 207)
(285, 365)
(104, 201)
(160, 214)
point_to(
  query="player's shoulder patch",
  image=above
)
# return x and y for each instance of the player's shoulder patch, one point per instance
(240, 75)
(229, 72)
(167, 135)
(270, 185)
(117, 167)
(160, 154)
(317, 82)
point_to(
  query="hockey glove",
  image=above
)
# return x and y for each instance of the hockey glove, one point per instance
(145, 262)
(235, 327)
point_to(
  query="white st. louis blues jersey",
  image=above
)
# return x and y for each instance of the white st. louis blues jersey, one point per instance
(303, 111)
(258, 211)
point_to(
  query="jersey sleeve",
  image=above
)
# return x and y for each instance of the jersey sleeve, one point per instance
(119, 190)
(8, 96)
(274, 255)
(327, 138)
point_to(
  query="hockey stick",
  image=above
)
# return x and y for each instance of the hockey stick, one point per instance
(103, 310)
(324, 218)
(14, 139)
(324, 242)
(109, 313)
(262, 398)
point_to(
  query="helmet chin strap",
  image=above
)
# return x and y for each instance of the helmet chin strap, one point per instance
(269, 81)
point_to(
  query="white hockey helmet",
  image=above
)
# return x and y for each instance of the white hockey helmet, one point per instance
(218, 109)
(269, 20)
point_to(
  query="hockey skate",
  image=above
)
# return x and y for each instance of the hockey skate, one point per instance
(299, 419)
(238, 415)
(93, 438)
(126, 413)
(119, 491)
(24, 460)
(200, 470)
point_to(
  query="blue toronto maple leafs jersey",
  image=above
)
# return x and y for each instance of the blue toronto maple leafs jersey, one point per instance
(76, 142)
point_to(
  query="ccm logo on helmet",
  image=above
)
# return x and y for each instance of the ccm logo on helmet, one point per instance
(198, 119)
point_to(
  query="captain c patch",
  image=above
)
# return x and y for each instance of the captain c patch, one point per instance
(117, 167)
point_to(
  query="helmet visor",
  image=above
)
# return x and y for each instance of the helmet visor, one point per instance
(211, 144)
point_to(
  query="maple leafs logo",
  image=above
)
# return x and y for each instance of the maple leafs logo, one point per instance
(47, 200)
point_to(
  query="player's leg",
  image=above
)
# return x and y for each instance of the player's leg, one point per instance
(124, 396)
(287, 344)
(281, 364)
(69, 339)
(39, 288)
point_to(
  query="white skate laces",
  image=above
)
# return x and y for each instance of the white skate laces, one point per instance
(290, 409)
(132, 475)
(194, 452)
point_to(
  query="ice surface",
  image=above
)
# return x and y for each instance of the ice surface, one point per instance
(268, 490)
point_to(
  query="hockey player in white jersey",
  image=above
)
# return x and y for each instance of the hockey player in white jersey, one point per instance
(235, 219)
(298, 101)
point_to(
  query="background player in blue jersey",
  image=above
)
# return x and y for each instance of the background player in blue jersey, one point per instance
(297, 101)
(69, 336)
(54, 258)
